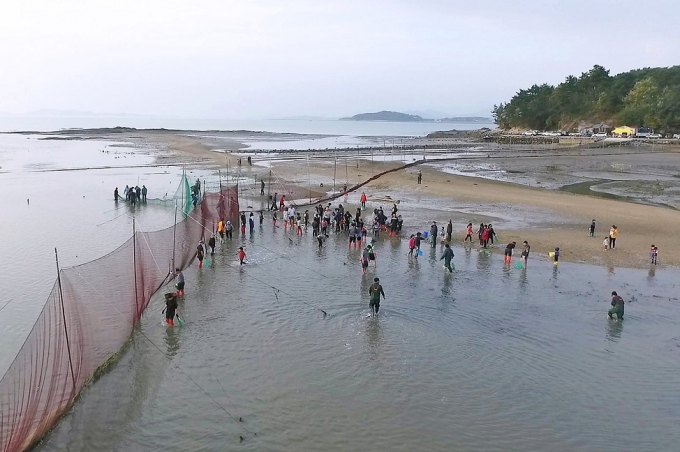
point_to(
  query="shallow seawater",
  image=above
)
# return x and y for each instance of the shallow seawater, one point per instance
(488, 358)
(59, 194)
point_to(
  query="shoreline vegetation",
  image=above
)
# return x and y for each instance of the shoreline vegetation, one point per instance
(647, 97)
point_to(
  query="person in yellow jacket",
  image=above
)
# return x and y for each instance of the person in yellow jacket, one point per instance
(613, 233)
(220, 229)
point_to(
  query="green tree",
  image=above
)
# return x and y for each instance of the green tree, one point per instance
(646, 96)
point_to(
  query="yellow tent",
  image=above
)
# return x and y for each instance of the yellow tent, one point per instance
(623, 131)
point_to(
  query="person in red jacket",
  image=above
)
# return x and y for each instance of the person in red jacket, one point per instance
(362, 199)
(241, 255)
(485, 237)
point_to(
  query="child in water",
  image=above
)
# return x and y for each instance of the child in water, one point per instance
(556, 257)
(468, 232)
(241, 255)
(364, 260)
(653, 253)
(371, 255)
(299, 224)
(411, 244)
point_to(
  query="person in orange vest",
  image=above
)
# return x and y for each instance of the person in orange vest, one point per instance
(220, 229)
(362, 199)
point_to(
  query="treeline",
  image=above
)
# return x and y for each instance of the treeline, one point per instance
(644, 97)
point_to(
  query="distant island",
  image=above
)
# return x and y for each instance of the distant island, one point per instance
(395, 116)
(647, 97)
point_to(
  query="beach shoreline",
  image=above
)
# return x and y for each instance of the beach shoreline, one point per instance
(545, 217)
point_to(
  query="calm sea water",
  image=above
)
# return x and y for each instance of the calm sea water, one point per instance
(489, 358)
(318, 127)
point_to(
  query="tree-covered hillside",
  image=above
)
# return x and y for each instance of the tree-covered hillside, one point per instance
(644, 97)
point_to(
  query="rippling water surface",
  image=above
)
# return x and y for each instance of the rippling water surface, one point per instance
(489, 358)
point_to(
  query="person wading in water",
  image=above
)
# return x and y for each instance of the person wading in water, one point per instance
(375, 291)
(617, 307)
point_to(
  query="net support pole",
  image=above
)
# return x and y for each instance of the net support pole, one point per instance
(174, 233)
(63, 316)
(134, 263)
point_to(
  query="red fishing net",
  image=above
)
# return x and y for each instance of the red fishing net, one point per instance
(90, 314)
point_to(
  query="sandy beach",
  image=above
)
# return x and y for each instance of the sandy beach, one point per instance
(519, 210)
(544, 217)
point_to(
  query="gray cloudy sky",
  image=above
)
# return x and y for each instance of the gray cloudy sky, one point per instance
(266, 58)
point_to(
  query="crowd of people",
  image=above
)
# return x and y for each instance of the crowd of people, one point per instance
(131, 194)
(329, 219)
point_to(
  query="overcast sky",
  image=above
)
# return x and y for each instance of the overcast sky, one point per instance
(266, 58)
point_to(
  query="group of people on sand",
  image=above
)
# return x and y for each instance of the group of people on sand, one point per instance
(132, 194)
(609, 242)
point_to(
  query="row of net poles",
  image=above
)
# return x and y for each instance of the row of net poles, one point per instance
(221, 202)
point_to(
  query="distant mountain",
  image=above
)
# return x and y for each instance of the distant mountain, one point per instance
(432, 114)
(393, 116)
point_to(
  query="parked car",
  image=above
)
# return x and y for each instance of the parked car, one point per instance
(654, 135)
(530, 133)
(600, 135)
(676, 136)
